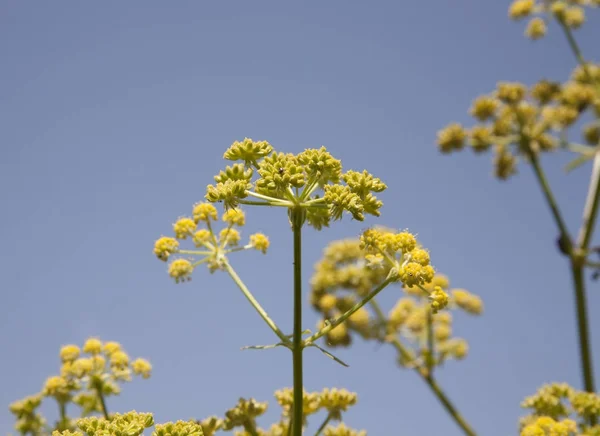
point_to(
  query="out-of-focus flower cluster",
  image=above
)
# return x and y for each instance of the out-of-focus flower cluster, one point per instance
(520, 122)
(87, 376)
(311, 180)
(570, 13)
(343, 276)
(211, 248)
(333, 402)
(131, 424)
(559, 410)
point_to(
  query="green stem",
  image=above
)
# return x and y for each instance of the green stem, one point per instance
(334, 323)
(423, 373)
(450, 408)
(584, 334)
(323, 425)
(263, 314)
(430, 343)
(298, 346)
(271, 200)
(552, 203)
(590, 211)
(102, 401)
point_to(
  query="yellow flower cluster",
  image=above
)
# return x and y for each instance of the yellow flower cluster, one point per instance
(343, 276)
(334, 401)
(560, 410)
(546, 426)
(570, 13)
(210, 247)
(311, 180)
(83, 380)
(29, 421)
(519, 122)
(243, 414)
(342, 430)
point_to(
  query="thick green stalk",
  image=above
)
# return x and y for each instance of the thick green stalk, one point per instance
(585, 349)
(297, 345)
(424, 374)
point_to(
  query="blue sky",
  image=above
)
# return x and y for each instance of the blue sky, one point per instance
(115, 117)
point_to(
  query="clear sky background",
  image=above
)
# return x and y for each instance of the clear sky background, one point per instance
(115, 116)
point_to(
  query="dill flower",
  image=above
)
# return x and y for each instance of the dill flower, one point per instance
(439, 299)
(342, 430)
(201, 236)
(164, 247)
(521, 9)
(119, 359)
(480, 138)
(204, 212)
(260, 242)
(56, 386)
(69, 353)
(420, 256)
(451, 138)
(184, 227)
(336, 401)
(406, 241)
(111, 347)
(234, 217)
(536, 28)
(511, 92)
(327, 303)
(574, 17)
(468, 302)
(229, 236)
(141, 367)
(92, 346)
(484, 107)
(181, 270)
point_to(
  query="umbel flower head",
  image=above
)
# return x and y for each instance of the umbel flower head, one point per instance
(312, 181)
(97, 368)
(559, 409)
(210, 248)
(569, 13)
(519, 122)
(345, 275)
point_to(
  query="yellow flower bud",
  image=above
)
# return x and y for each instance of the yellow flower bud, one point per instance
(234, 217)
